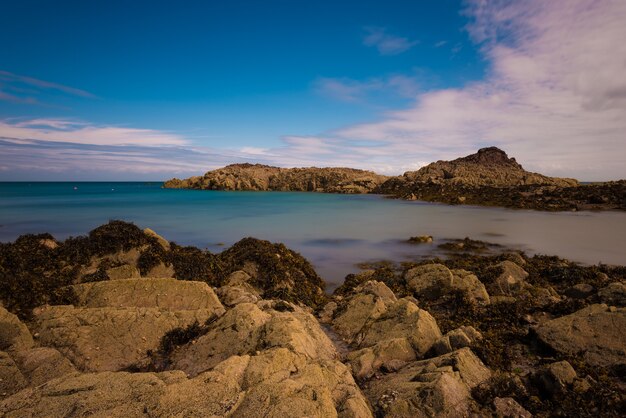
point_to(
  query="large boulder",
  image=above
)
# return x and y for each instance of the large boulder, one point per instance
(613, 294)
(110, 339)
(276, 383)
(14, 335)
(437, 387)
(510, 281)
(595, 332)
(248, 328)
(431, 281)
(148, 293)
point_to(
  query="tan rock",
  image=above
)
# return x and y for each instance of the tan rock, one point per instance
(596, 332)
(42, 364)
(437, 387)
(123, 272)
(148, 293)
(509, 408)
(14, 335)
(613, 294)
(465, 336)
(11, 378)
(248, 328)
(511, 281)
(108, 339)
(431, 281)
(276, 383)
(162, 241)
(234, 295)
(388, 355)
(162, 270)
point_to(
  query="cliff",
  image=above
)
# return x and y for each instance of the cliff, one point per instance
(267, 178)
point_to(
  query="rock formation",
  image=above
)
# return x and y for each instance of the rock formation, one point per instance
(264, 177)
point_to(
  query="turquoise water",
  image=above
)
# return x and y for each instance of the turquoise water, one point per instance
(333, 231)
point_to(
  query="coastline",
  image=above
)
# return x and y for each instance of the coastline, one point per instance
(497, 315)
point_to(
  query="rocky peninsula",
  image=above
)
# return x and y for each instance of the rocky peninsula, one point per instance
(260, 177)
(123, 323)
(486, 178)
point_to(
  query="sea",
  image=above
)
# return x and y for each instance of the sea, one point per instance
(335, 232)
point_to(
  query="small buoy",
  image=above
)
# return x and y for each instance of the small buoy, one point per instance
(75, 188)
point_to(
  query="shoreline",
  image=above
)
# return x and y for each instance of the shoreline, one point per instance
(499, 317)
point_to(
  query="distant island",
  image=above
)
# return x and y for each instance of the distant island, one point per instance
(487, 178)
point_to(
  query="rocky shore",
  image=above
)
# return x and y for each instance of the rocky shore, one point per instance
(486, 178)
(260, 177)
(123, 323)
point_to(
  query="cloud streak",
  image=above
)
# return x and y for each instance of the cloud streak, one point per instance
(17, 88)
(385, 43)
(350, 90)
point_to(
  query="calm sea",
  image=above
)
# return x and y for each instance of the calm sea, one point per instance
(333, 231)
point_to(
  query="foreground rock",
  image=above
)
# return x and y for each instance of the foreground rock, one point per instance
(248, 328)
(263, 177)
(438, 387)
(276, 383)
(596, 333)
(117, 322)
(431, 281)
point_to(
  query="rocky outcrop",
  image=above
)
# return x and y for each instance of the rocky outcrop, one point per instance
(596, 333)
(248, 328)
(488, 167)
(275, 383)
(263, 178)
(431, 281)
(438, 387)
(14, 335)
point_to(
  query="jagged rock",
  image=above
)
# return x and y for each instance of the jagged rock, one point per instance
(247, 328)
(511, 281)
(14, 335)
(148, 293)
(437, 387)
(402, 319)
(555, 378)
(123, 272)
(388, 355)
(11, 378)
(109, 339)
(42, 364)
(595, 332)
(165, 244)
(367, 303)
(509, 408)
(276, 383)
(465, 336)
(431, 281)
(263, 177)
(613, 294)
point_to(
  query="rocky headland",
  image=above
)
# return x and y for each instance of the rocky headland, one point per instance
(260, 177)
(487, 178)
(123, 323)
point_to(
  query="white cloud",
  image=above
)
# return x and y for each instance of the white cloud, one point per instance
(21, 89)
(62, 130)
(385, 43)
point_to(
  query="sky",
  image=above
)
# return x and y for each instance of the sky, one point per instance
(149, 90)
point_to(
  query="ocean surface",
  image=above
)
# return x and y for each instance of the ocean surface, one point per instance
(335, 232)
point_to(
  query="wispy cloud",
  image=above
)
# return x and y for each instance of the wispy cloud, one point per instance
(350, 90)
(23, 89)
(385, 43)
(68, 131)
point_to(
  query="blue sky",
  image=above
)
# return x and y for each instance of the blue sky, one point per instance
(94, 90)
